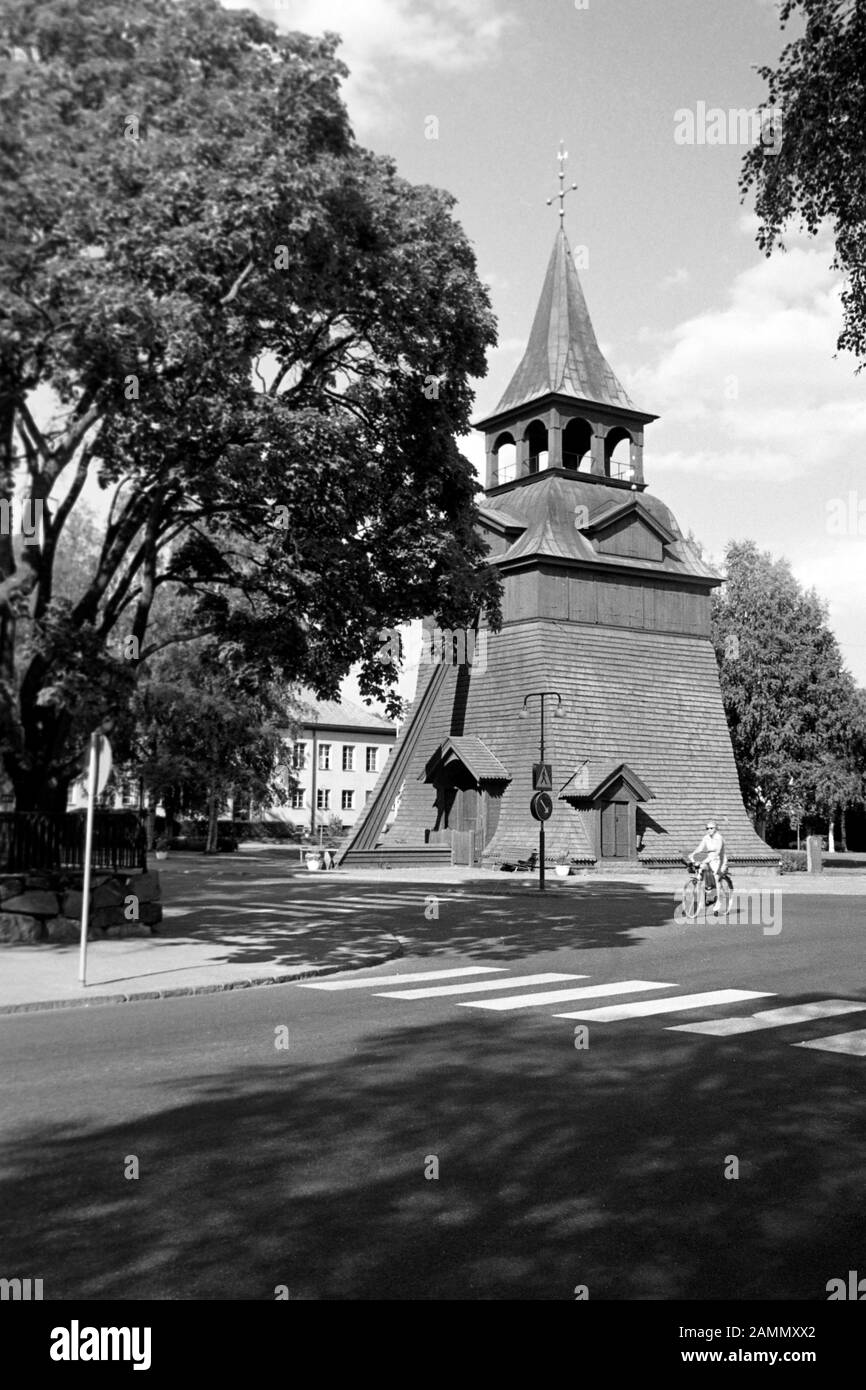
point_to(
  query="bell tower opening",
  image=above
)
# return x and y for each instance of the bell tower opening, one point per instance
(617, 454)
(505, 455)
(577, 444)
(536, 447)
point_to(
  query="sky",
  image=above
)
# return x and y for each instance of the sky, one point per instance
(761, 422)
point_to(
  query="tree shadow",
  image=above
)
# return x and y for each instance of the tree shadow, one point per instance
(558, 1167)
(255, 925)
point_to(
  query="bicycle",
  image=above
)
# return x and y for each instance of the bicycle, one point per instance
(699, 891)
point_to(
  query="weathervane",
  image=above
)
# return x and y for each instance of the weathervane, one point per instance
(563, 191)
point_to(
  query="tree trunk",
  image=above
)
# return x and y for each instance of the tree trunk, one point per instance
(212, 825)
(34, 792)
(843, 832)
(831, 842)
(150, 822)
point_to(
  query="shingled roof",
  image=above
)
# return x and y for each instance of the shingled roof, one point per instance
(546, 510)
(474, 754)
(563, 355)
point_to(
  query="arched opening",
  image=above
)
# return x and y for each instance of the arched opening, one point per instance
(617, 454)
(577, 444)
(536, 439)
(505, 450)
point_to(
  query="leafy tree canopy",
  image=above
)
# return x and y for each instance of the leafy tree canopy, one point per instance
(793, 709)
(257, 336)
(819, 171)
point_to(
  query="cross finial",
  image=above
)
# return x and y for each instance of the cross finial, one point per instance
(562, 156)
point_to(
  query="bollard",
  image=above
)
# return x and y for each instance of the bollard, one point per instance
(814, 855)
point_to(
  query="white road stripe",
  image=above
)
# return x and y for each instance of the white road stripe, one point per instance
(439, 991)
(771, 1018)
(560, 996)
(644, 1007)
(854, 1044)
(372, 981)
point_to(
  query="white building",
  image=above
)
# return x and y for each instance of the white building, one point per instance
(336, 760)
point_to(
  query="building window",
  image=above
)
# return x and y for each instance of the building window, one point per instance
(348, 757)
(367, 796)
(299, 757)
(323, 799)
(298, 799)
(348, 801)
(324, 757)
(372, 760)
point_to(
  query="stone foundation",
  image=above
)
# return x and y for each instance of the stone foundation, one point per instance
(46, 907)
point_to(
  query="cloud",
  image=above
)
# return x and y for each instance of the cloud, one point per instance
(386, 41)
(680, 276)
(755, 388)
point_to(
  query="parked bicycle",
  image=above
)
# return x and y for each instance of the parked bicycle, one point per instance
(699, 891)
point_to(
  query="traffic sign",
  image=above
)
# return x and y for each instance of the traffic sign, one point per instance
(541, 806)
(103, 764)
(542, 777)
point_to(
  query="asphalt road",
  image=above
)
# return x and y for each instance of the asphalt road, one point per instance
(311, 1165)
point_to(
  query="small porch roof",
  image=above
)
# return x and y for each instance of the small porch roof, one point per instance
(601, 780)
(476, 757)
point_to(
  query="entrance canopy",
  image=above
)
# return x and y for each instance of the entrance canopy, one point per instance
(473, 754)
(593, 782)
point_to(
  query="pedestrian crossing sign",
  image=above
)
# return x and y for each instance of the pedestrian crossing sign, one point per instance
(542, 777)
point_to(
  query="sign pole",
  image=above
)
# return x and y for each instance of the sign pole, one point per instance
(88, 848)
(541, 822)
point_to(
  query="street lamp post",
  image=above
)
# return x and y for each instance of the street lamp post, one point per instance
(542, 695)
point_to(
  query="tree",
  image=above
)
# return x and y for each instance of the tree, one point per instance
(204, 730)
(237, 313)
(793, 710)
(817, 171)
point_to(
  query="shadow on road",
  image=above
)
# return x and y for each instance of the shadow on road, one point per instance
(266, 925)
(557, 1167)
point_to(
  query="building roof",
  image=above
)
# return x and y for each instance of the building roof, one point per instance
(546, 511)
(474, 754)
(341, 714)
(563, 355)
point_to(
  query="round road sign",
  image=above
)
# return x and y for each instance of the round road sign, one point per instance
(541, 806)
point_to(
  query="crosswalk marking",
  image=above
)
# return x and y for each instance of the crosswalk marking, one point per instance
(854, 1044)
(643, 1008)
(771, 1018)
(440, 991)
(560, 996)
(372, 981)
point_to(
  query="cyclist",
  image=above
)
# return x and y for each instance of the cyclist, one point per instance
(713, 845)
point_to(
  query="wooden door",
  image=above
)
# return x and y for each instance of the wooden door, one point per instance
(470, 818)
(615, 830)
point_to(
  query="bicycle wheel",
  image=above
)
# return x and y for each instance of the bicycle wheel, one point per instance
(693, 896)
(726, 893)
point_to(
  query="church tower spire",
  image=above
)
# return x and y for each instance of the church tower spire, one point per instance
(565, 407)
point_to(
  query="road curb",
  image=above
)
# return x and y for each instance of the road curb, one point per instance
(191, 991)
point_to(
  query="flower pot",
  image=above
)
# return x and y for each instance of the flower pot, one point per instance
(161, 853)
(562, 870)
